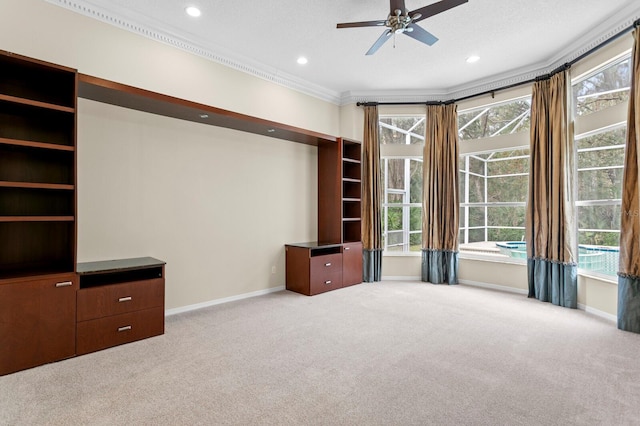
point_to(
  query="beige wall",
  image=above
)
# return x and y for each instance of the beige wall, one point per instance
(217, 205)
(510, 276)
(48, 32)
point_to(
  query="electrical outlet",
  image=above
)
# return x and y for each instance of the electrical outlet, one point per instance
(273, 269)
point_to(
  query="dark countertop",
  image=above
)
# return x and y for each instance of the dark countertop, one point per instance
(314, 245)
(118, 265)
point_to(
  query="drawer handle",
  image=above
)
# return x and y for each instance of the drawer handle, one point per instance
(125, 328)
(347, 248)
(327, 264)
(327, 282)
(125, 299)
(64, 284)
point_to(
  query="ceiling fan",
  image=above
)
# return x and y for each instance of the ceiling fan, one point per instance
(401, 21)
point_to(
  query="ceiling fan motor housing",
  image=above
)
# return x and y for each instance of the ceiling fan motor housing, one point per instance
(399, 22)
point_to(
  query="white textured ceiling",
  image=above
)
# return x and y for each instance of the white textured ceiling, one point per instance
(514, 39)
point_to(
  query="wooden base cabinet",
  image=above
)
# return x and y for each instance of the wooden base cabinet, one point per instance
(351, 264)
(37, 321)
(314, 268)
(119, 301)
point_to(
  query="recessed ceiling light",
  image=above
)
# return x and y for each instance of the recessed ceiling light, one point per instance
(473, 58)
(193, 11)
(302, 60)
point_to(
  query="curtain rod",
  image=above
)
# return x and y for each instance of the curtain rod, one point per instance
(561, 68)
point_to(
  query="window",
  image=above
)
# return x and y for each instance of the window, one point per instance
(497, 119)
(600, 162)
(402, 130)
(493, 192)
(604, 88)
(401, 163)
(494, 175)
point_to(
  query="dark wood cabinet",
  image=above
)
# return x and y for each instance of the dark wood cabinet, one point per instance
(47, 311)
(339, 191)
(37, 321)
(119, 301)
(313, 268)
(351, 263)
(37, 212)
(37, 168)
(335, 260)
(351, 191)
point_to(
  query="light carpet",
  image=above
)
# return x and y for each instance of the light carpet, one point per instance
(389, 353)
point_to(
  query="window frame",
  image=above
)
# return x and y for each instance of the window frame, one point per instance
(407, 152)
(597, 122)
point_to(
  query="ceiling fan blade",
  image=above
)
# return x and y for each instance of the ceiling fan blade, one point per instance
(361, 24)
(381, 40)
(421, 34)
(435, 8)
(395, 5)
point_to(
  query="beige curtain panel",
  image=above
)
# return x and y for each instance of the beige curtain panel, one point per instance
(550, 218)
(440, 206)
(629, 268)
(371, 197)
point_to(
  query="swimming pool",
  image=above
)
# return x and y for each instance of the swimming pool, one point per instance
(601, 259)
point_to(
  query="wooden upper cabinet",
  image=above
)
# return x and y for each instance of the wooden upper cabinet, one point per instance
(339, 192)
(37, 167)
(351, 191)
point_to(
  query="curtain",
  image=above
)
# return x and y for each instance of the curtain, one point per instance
(371, 198)
(440, 205)
(629, 268)
(550, 220)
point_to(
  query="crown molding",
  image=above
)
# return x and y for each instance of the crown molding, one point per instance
(139, 24)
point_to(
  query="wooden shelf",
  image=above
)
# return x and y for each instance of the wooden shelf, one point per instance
(33, 103)
(32, 272)
(351, 160)
(30, 185)
(31, 144)
(37, 218)
(113, 93)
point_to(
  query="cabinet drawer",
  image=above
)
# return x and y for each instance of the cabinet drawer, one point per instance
(116, 330)
(325, 273)
(114, 299)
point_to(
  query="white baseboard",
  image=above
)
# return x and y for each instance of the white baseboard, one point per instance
(494, 287)
(402, 278)
(604, 315)
(197, 306)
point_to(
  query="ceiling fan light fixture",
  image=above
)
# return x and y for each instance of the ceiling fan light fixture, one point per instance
(193, 11)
